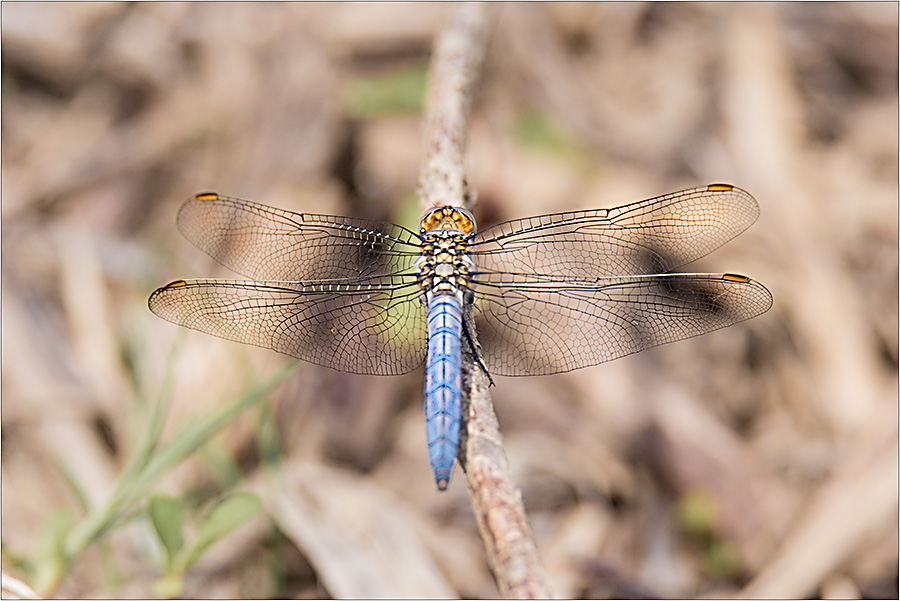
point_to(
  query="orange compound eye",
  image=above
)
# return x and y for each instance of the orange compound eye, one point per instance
(448, 218)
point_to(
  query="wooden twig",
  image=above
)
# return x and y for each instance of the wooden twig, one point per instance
(497, 503)
(455, 66)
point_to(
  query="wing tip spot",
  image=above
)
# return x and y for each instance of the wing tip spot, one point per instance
(720, 187)
(733, 277)
(207, 196)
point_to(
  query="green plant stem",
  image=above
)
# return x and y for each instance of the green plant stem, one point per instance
(144, 468)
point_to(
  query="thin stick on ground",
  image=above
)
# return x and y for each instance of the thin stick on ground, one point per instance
(497, 503)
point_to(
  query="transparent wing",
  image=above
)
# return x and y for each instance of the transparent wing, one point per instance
(264, 243)
(375, 328)
(646, 237)
(533, 325)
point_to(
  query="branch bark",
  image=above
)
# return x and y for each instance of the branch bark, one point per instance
(455, 67)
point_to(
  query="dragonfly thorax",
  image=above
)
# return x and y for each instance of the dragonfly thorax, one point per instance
(444, 264)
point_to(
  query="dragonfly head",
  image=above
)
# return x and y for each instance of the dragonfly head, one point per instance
(447, 218)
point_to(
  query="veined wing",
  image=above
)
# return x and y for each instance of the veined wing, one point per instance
(375, 328)
(265, 243)
(532, 325)
(646, 237)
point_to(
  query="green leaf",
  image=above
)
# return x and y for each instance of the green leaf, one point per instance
(76, 487)
(167, 517)
(102, 517)
(221, 463)
(50, 561)
(225, 516)
(268, 442)
(198, 432)
(146, 464)
(168, 587)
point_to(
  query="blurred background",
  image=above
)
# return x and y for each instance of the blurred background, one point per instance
(758, 460)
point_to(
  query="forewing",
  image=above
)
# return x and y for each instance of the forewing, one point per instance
(265, 243)
(646, 237)
(373, 329)
(530, 326)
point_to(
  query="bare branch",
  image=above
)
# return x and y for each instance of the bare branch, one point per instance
(453, 73)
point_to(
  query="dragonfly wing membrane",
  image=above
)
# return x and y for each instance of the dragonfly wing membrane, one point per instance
(646, 237)
(537, 326)
(376, 330)
(265, 243)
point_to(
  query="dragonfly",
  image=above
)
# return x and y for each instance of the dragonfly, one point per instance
(550, 294)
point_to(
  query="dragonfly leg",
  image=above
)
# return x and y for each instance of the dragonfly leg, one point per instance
(474, 347)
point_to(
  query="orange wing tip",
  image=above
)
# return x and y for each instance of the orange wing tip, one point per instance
(207, 196)
(175, 284)
(733, 277)
(720, 187)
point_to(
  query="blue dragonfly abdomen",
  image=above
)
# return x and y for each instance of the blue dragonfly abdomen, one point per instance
(549, 294)
(443, 383)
